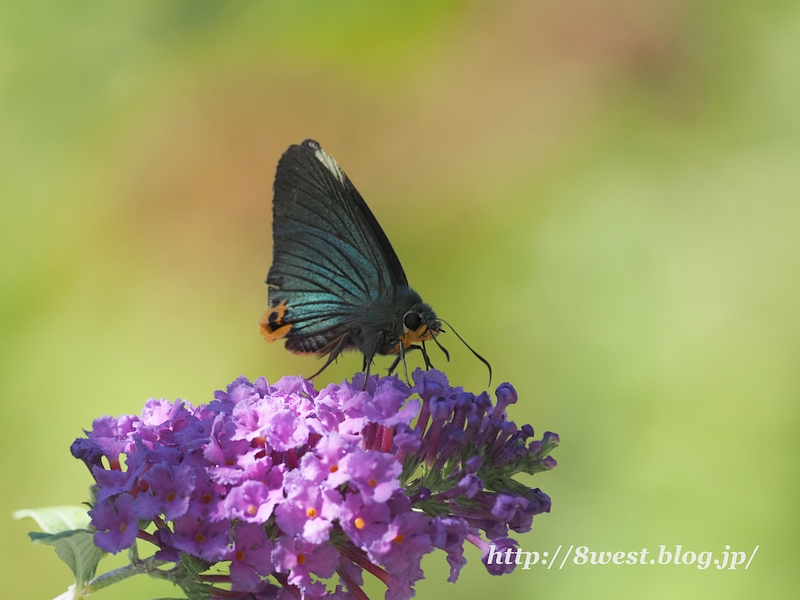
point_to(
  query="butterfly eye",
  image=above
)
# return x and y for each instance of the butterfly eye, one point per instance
(412, 321)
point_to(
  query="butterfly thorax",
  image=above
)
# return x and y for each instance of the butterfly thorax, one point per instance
(380, 326)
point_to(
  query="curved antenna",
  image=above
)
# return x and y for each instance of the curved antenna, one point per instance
(480, 358)
(443, 349)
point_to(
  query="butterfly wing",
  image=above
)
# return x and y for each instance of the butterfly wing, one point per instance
(330, 256)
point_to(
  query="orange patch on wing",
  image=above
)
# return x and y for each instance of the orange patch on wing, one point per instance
(272, 326)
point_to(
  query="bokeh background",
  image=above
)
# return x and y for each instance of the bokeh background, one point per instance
(602, 196)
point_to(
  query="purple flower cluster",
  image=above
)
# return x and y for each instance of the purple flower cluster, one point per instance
(291, 485)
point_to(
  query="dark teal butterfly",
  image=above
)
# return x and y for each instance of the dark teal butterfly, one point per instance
(335, 283)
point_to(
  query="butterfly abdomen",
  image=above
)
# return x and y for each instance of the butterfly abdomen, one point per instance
(320, 344)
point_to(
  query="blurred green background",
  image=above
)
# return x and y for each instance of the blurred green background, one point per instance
(602, 196)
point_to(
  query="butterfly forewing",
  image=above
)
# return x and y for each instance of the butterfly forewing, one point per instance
(330, 256)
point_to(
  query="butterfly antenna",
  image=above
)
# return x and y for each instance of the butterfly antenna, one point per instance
(479, 357)
(443, 349)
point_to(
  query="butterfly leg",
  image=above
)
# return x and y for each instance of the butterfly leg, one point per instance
(402, 357)
(367, 365)
(394, 365)
(368, 357)
(428, 364)
(337, 350)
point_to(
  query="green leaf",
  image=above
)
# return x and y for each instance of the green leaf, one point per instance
(186, 575)
(56, 519)
(77, 549)
(194, 565)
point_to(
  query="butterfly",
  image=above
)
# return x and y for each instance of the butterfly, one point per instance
(335, 283)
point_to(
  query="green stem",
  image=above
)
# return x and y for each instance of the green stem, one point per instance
(146, 566)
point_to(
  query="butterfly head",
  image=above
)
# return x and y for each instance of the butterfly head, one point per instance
(419, 325)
